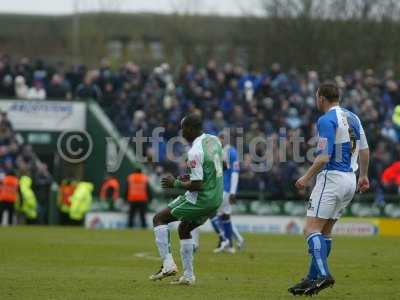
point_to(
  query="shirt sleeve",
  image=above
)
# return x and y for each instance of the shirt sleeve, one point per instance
(234, 161)
(326, 137)
(363, 138)
(195, 164)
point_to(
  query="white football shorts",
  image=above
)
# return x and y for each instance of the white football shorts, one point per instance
(226, 206)
(332, 193)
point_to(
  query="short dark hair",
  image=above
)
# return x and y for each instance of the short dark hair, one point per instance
(193, 121)
(329, 90)
(137, 169)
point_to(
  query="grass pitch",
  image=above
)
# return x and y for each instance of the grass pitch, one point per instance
(75, 263)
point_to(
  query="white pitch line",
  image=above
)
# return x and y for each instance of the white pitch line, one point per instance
(146, 255)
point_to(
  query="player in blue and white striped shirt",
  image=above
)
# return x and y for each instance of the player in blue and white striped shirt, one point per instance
(222, 222)
(341, 145)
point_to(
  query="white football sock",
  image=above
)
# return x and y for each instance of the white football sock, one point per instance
(236, 233)
(187, 257)
(195, 235)
(163, 242)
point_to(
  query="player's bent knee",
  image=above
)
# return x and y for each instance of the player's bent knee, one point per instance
(310, 229)
(184, 231)
(158, 220)
(314, 224)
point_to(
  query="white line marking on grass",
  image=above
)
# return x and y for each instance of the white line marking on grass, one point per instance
(147, 256)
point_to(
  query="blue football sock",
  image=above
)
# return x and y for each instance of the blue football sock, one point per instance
(313, 271)
(318, 249)
(227, 226)
(216, 224)
(328, 246)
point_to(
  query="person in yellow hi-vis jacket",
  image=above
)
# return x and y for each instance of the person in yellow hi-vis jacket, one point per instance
(81, 201)
(396, 120)
(27, 203)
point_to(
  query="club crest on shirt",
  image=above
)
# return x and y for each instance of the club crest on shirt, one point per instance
(192, 164)
(322, 143)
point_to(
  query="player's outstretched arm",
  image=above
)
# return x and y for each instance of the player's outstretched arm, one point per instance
(363, 181)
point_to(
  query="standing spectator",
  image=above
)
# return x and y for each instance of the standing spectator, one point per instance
(5, 121)
(58, 88)
(138, 195)
(88, 89)
(25, 160)
(21, 89)
(7, 86)
(108, 97)
(41, 187)
(8, 143)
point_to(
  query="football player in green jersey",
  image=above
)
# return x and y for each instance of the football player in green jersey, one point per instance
(202, 198)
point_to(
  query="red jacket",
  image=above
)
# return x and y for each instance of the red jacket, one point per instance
(391, 175)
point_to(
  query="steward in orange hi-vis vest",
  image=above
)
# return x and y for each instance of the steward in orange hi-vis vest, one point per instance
(65, 191)
(137, 187)
(110, 188)
(138, 194)
(9, 189)
(9, 186)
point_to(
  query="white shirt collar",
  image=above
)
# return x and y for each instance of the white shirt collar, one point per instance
(199, 138)
(334, 107)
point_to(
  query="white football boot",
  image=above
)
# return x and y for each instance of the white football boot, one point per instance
(164, 272)
(224, 245)
(184, 280)
(240, 244)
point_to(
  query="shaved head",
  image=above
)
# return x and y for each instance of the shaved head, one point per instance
(193, 121)
(192, 126)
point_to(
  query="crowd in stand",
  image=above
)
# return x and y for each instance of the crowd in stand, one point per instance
(18, 159)
(271, 103)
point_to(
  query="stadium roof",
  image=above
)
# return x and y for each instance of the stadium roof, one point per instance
(60, 7)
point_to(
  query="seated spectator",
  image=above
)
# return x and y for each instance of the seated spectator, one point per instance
(37, 92)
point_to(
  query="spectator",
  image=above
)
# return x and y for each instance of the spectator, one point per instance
(41, 186)
(88, 89)
(37, 92)
(25, 160)
(7, 86)
(58, 88)
(8, 196)
(396, 120)
(21, 89)
(228, 96)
